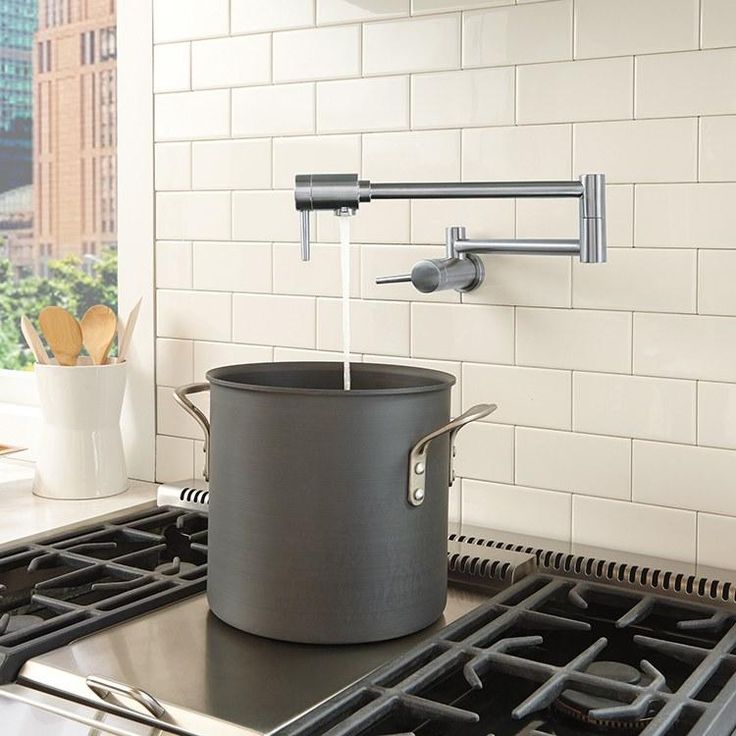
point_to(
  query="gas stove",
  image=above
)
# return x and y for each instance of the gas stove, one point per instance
(535, 640)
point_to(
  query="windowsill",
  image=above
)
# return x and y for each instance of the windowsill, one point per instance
(19, 427)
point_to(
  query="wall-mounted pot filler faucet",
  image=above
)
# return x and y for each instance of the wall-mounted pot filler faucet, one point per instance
(461, 269)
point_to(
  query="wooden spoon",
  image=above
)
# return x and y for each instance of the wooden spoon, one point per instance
(62, 333)
(99, 325)
(127, 333)
(33, 339)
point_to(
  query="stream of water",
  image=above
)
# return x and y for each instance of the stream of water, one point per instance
(344, 221)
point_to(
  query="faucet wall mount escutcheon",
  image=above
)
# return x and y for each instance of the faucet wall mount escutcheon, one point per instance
(461, 269)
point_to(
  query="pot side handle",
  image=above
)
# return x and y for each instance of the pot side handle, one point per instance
(418, 454)
(181, 396)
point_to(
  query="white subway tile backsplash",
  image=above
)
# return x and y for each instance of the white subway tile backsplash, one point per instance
(178, 20)
(681, 476)
(174, 362)
(693, 83)
(358, 105)
(638, 150)
(282, 355)
(486, 452)
(685, 346)
(173, 458)
(173, 264)
(517, 509)
(577, 463)
(286, 109)
(483, 334)
(249, 16)
(338, 154)
(717, 152)
(267, 319)
(522, 34)
(209, 355)
(232, 266)
(600, 89)
(634, 527)
(416, 45)
(657, 280)
(319, 276)
(171, 67)
(717, 414)
(577, 339)
(625, 27)
(193, 215)
(472, 97)
(231, 62)
(716, 540)
(171, 419)
(346, 11)
(383, 221)
(316, 53)
(234, 164)
(634, 406)
(718, 23)
(416, 156)
(190, 115)
(193, 315)
(263, 216)
(424, 7)
(492, 218)
(525, 396)
(716, 279)
(173, 166)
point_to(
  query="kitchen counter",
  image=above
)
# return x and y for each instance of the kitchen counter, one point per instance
(23, 515)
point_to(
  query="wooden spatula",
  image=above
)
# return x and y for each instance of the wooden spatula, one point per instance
(99, 325)
(33, 339)
(62, 333)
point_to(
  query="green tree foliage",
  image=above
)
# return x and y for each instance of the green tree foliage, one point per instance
(68, 285)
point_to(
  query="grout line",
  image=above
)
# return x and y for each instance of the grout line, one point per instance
(631, 469)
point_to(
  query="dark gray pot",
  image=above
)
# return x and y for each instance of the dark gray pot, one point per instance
(314, 535)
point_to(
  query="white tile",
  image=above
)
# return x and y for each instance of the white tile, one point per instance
(517, 154)
(264, 216)
(578, 463)
(281, 355)
(319, 53)
(657, 280)
(286, 109)
(486, 452)
(416, 156)
(600, 522)
(717, 541)
(172, 420)
(361, 105)
(634, 406)
(382, 221)
(338, 154)
(685, 346)
(177, 20)
(423, 7)
(484, 334)
(482, 218)
(347, 11)
(171, 67)
(528, 396)
(174, 361)
(625, 27)
(231, 62)
(532, 281)
(173, 459)
(274, 320)
(377, 327)
(173, 264)
(187, 115)
(458, 99)
(173, 166)
(578, 339)
(517, 509)
(387, 260)
(319, 276)
(718, 23)
(685, 215)
(680, 476)
(692, 83)
(716, 278)
(194, 315)
(209, 355)
(239, 164)
(232, 266)
(193, 215)
(638, 150)
(417, 45)
(601, 89)
(717, 152)
(522, 34)
(264, 15)
(717, 414)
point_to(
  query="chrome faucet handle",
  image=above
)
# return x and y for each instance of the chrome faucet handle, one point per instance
(398, 279)
(304, 234)
(440, 274)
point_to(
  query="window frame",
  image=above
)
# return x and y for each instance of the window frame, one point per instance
(135, 215)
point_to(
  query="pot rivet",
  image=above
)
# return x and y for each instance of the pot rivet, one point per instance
(419, 468)
(418, 494)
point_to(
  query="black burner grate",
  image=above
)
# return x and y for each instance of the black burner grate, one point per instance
(64, 587)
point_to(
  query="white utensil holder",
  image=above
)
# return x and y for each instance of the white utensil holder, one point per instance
(80, 453)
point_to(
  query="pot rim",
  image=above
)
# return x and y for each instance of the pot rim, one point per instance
(433, 380)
